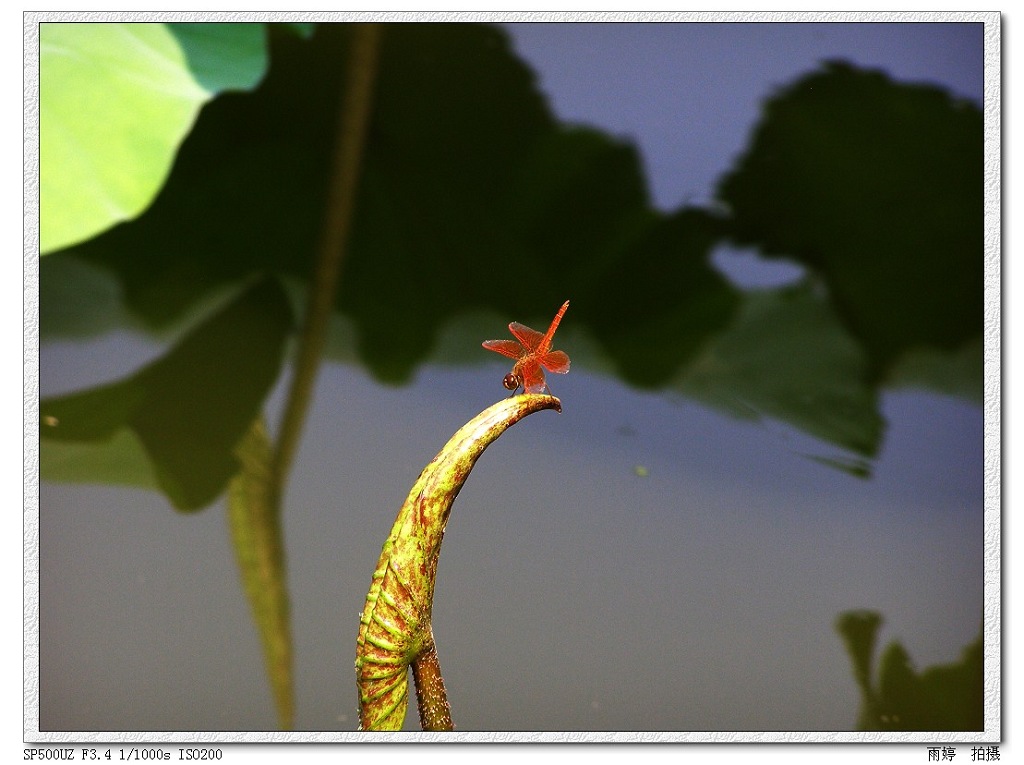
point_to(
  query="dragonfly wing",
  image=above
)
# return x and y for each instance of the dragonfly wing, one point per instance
(509, 348)
(530, 338)
(533, 377)
(556, 361)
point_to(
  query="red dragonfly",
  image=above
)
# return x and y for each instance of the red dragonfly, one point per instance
(532, 352)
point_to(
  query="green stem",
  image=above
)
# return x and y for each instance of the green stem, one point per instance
(356, 107)
(256, 536)
(431, 697)
(256, 493)
(395, 628)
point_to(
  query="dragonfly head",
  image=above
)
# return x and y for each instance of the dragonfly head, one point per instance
(512, 381)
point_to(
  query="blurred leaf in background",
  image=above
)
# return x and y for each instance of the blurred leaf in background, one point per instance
(878, 187)
(475, 201)
(116, 100)
(787, 356)
(178, 419)
(466, 172)
(941, 698)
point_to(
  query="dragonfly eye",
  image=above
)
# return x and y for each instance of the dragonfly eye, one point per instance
(511, 381)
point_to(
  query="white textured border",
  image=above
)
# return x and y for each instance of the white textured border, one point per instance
(993, 351)
(993, 380)
(30, 378)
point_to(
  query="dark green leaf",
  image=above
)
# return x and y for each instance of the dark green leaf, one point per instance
(474, 201)
(787, 356)
(223, 56)
(859, 630)
(944, 697)
(878, 187)
(189, 408)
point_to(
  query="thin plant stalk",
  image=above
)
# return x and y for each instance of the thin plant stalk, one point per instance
(255, 504)
(354, 118)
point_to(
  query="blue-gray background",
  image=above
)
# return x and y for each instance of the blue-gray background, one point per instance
(573, 593)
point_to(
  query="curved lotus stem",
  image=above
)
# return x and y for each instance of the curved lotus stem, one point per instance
(395, 629)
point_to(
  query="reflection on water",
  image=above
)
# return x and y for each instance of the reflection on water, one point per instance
(701, 597)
